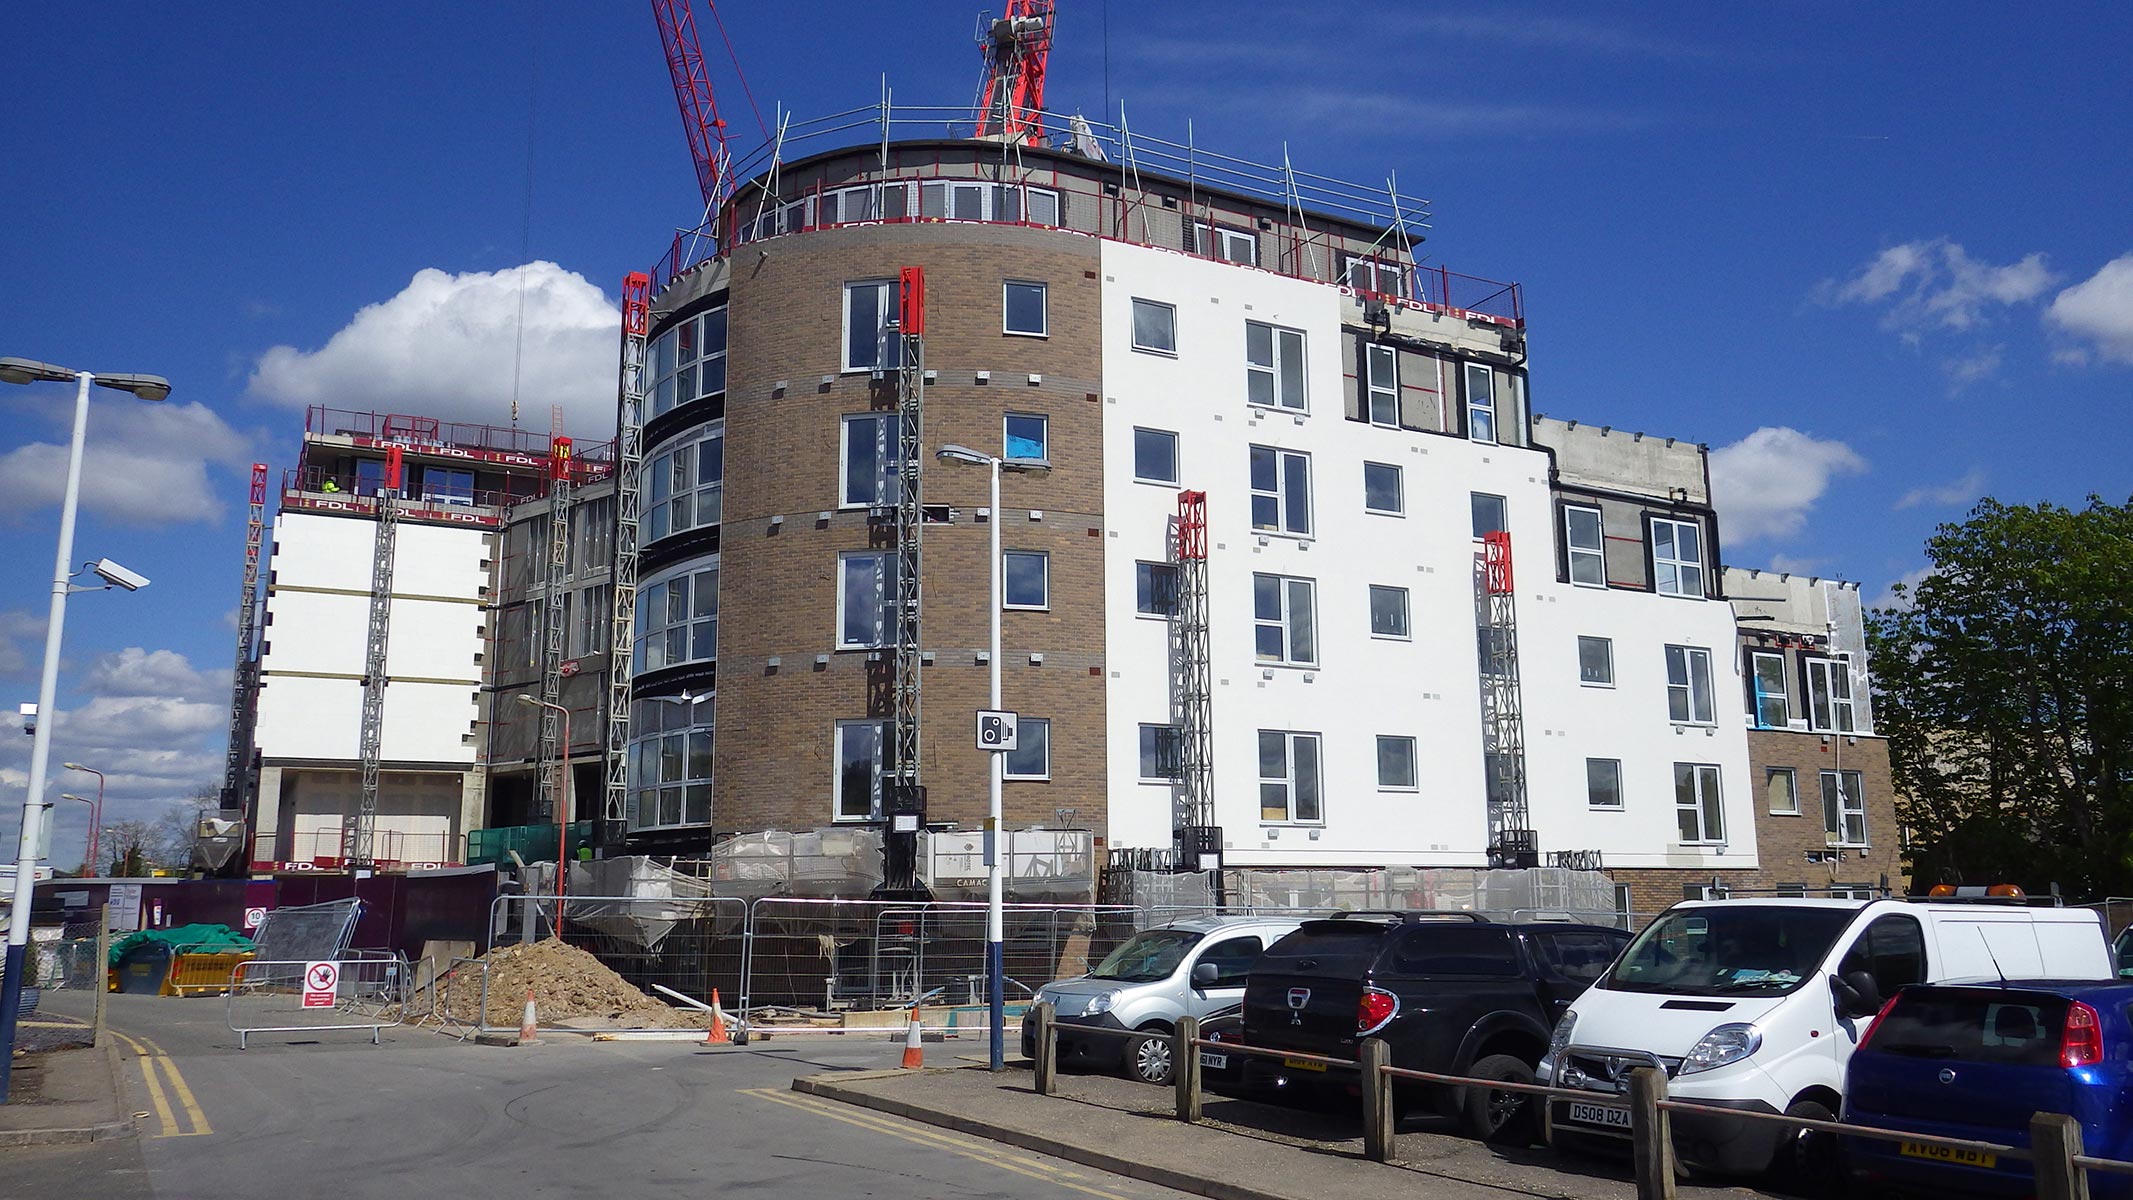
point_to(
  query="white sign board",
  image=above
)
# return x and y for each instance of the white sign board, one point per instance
(997, 730)
(122, 908)
(254, 917)
(322, 984)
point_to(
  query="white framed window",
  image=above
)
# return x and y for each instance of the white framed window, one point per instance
(687, 362)
(1596, 661)
(1480, 402)
(447, 485)
(1781, 791)
(844, 206)
(1688, 686)
(1382, 490)
(1032, 756)
(1022, 309)
(677, 617)
(862, 753)
(1396, 764)
(1155, 456)
(1289, 778)
(1388, 612)
(1366, 274)
(1155, 589)
(1230, 245)
(870, 457)
(1281, 491)
(1843, 806)
(1698, 807)
(866, 599)
(1489, 514)
(1766, 690)
(1829, 696)
(1603, 783)
(1155, 326)
(1162, 754)
(869, 311)
(592, 625)
(669, 763)
(1285, 620)
(1585, 542)
(1274, 366)
(957, 199)
(1677, 558)
(1026, 437)
(685, 483)
(1381, 385)
(1025, 579)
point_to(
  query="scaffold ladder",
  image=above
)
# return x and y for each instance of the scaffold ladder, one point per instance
(910, 521)
(629, 462)
(1195, 690)
(237, 770)
(357, 849)
(1512, 841)
(553, 755)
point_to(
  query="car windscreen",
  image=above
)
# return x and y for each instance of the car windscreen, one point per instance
(1343, 948)
(1147, 957)
(1981, 1025)
(1736, 949)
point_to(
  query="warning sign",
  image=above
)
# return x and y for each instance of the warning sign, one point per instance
(254, 917)
(322, 984)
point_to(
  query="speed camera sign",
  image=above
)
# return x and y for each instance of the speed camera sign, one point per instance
(996, 730)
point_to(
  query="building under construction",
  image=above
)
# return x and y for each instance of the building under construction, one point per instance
(1292, 575)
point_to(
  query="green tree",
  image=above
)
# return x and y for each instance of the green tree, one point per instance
(2004, 681)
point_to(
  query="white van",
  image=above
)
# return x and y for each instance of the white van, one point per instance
(1757, 1004)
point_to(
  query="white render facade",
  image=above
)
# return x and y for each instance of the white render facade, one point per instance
(1358, 686)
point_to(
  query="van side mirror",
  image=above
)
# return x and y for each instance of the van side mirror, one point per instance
(1855, 994)
(1204, 974)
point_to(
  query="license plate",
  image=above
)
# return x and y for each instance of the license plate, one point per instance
(1947, 1154)
(1303, 1064)
(1599, 1114)
(1217, 1061)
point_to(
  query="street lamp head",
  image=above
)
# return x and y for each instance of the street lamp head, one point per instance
(76, 767)
(528, 700)
(964, 454)
(147, 387)
(29, 370)
(72, 796)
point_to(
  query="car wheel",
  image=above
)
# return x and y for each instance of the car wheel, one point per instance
(1806, 1160)
(1148, 1058)
(1501, 1117)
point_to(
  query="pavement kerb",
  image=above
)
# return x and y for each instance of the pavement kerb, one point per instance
(828, 1088)
(10, 1138)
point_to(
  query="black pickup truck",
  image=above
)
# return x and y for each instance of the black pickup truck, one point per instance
(1452, 993)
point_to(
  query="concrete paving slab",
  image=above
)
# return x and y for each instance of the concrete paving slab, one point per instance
(65, 1096)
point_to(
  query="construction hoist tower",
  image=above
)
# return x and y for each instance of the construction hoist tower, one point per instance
(552, 754)
(356, 847)
(1197, 834)
(629, 463)
(906, 798)
(237, 770)
(1512, 841)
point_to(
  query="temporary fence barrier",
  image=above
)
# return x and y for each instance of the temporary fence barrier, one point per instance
(366, 990)
(692, 944)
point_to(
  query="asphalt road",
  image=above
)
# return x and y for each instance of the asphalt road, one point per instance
(423, 1117)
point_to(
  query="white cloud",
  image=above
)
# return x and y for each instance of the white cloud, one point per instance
(135, 671)
(1792, 564)
(19, 634)
(445, 346)
(1964, 371)
(1961, 491)
(1936, 284)
(142, 464)
(2098, 310)
(1765, 484)
(1910, 581)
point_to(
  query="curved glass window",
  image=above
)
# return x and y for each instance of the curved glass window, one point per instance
(677, 618)
(688, 362)
(685, 483)
(670, 762)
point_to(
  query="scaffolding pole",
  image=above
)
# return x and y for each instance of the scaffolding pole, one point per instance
(629, 461)
(357, 846)
(1512, 840)
(237, 769)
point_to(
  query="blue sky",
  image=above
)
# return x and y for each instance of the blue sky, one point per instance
(1863, 251)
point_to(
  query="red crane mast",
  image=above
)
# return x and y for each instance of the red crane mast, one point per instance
(699, 107)
(1016, 47)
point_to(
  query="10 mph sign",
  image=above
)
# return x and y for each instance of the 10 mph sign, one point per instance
(322, 984)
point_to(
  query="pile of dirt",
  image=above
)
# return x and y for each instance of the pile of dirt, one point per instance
(568, 985)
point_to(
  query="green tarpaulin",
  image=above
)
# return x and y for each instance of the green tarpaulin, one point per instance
(190, 939)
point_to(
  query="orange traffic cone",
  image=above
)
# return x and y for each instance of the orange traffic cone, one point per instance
(528, 1029)
(914, 1044)
(717, 1036)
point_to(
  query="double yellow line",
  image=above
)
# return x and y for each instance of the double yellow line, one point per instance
(896, 1127)
(187, 1112)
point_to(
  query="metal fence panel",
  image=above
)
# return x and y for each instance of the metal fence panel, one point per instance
(270, 996)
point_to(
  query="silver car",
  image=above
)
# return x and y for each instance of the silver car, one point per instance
(1195, 967)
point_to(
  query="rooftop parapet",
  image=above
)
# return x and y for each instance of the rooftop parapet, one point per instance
(1617, 460)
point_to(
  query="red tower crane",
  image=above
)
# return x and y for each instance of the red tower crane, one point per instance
(1016, 47)
(699, 108)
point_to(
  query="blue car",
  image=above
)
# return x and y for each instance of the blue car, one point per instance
(1976, 1062)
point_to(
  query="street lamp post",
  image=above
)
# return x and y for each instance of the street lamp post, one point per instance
(96, 822)
(995, 970)
(562, 804)
(88, 862)
(147, 387)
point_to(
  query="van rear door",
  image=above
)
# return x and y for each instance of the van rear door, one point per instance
(1304, 991)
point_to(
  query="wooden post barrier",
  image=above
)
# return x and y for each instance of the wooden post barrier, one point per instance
(1185, 1067)
(2054, 1140)
(1372, 1057)
(1047, 1048)
(1651, 1134)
